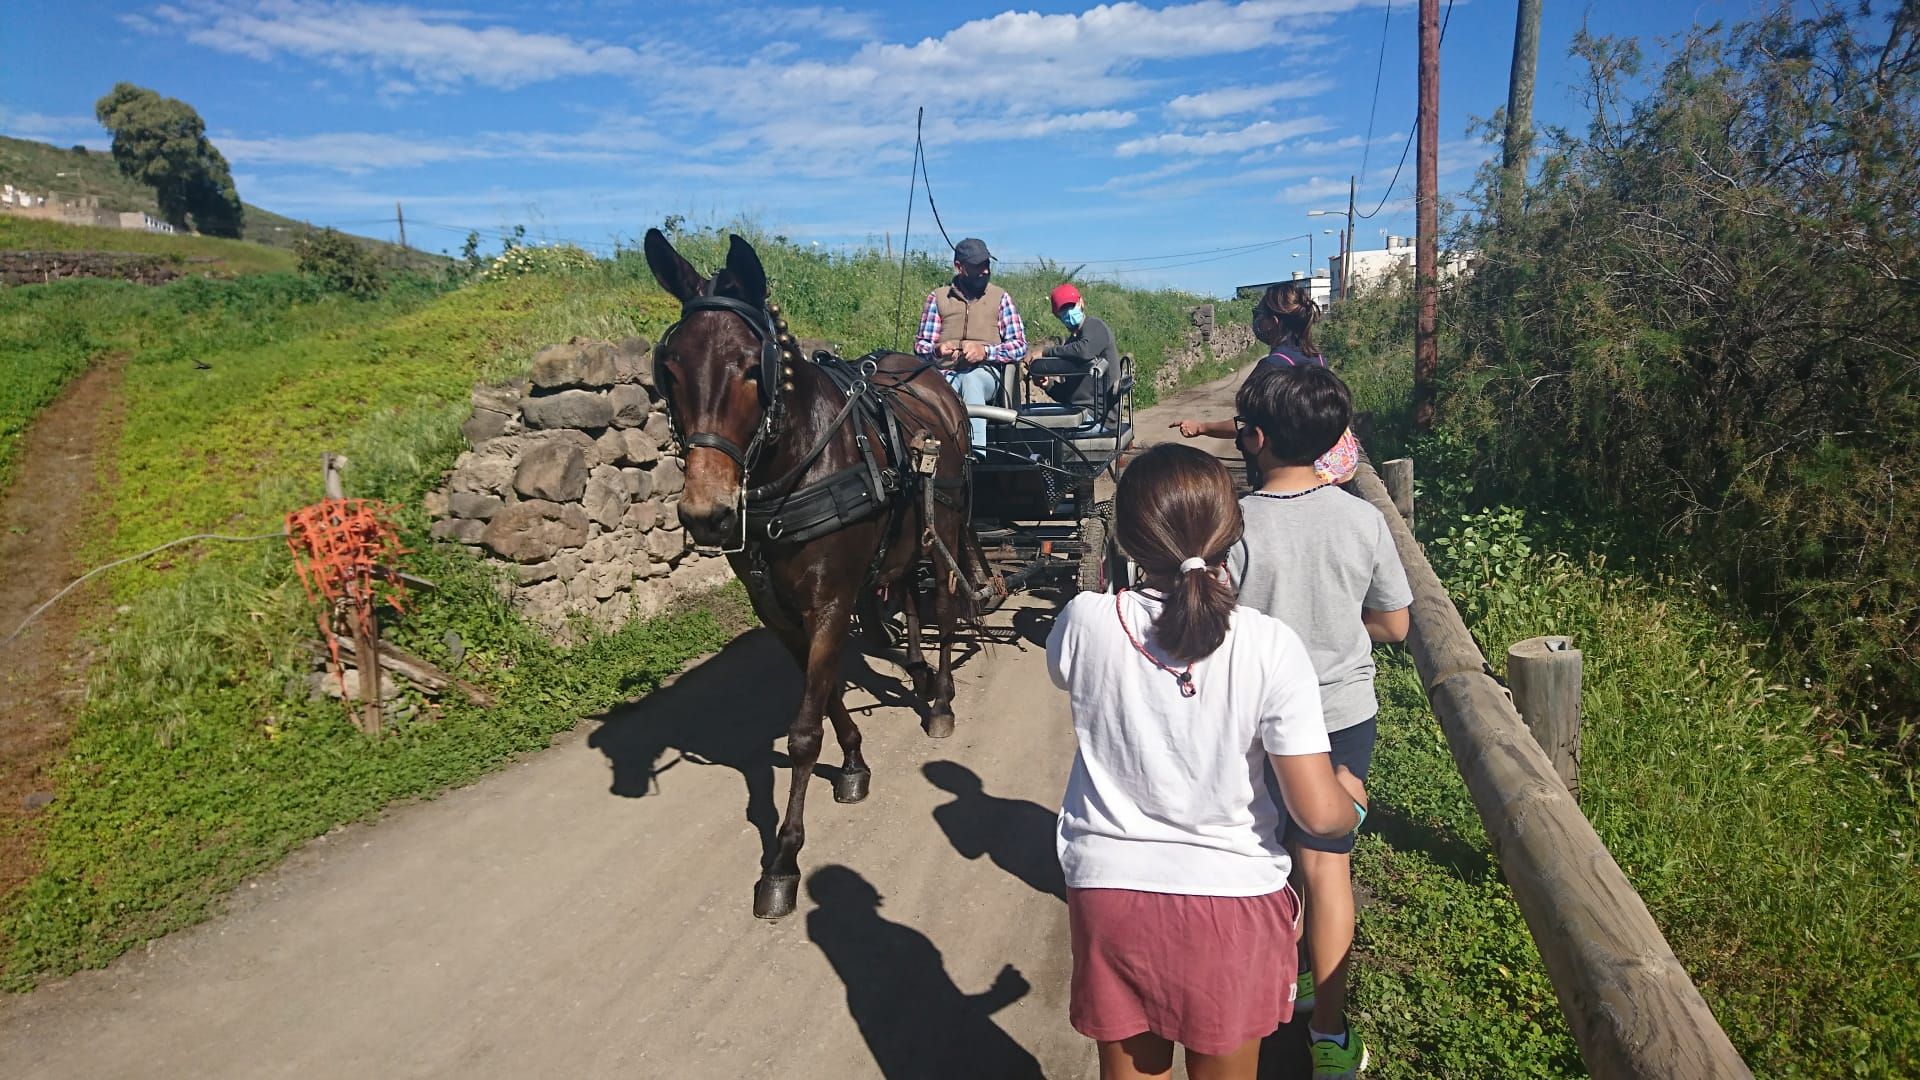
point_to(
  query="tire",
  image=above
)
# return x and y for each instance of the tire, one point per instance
(1093, 553)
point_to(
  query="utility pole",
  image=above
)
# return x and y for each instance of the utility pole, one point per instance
(1518, 143)
(1346, 251)
(1426, 349)
(401, 217)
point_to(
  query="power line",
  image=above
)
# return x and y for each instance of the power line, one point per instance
(1366, 148)
(1411, 132)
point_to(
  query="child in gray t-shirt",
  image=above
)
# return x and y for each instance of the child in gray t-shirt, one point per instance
(1323, 562)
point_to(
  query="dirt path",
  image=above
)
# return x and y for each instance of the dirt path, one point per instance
(585, 912)
(41, 517)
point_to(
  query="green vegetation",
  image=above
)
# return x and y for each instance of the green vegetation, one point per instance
(1703, 324)
(161, 143)
(195, 254)
(198, 758)
(1692, 373)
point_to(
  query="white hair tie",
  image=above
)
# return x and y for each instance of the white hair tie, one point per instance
(1195, 563)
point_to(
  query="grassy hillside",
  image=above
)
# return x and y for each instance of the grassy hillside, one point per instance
(198, 759)
(40, 167)
(198, 254)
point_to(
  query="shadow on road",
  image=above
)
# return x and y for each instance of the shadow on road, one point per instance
(1017, 835)
(916, 1022)
(727, 710)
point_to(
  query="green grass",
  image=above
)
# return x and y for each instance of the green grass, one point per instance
(194, 254)
(1777, 862)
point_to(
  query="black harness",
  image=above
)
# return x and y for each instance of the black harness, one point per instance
(783, 510)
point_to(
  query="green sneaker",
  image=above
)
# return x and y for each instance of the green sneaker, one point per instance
(1303, 993)
(1331, 1061)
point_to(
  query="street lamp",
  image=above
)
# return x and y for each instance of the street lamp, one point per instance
(1346, 247)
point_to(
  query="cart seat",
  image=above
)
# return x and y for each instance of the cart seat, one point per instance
(1102, 440)
(1057, 417)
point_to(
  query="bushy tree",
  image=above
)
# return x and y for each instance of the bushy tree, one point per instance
(162, 142)
(339, 262)
(1704, 322)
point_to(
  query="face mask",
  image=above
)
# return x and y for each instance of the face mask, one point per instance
(973, 283)
(1073, 317)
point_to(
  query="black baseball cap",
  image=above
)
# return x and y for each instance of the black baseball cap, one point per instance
(971, 252)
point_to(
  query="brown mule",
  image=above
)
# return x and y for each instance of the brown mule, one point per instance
(760, 424)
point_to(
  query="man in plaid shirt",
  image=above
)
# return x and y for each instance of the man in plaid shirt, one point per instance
(970, 328)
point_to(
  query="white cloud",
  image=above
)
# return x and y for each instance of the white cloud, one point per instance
(358, 152)
(829, 23)
(1231, 101)
(65, 129)
(437, 49)
(1316, 188)
(1258, 134)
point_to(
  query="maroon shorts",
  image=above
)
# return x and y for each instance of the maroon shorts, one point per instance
(1208, 972)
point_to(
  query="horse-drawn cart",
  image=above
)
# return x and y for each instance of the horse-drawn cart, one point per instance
(1037, 514)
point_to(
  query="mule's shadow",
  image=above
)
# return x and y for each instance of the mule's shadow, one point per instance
(731, 709)
(917, 1023)
(726, 710)
(1016, 835)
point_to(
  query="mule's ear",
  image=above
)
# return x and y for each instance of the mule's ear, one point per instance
(748, 275)
(675, 274)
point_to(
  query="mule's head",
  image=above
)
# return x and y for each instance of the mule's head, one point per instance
(708, 371)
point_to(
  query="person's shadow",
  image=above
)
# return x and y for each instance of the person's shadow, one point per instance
(916, 1022)
(727, 710)
(1016, 834)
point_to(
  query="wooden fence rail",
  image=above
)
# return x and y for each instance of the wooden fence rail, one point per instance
(1632, 1008)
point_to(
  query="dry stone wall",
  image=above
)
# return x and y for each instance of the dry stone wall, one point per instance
(572, 482)
(1205, 339)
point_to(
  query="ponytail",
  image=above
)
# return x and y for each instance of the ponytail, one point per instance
(1175, 514)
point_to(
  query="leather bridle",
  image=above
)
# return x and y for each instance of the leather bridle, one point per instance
(768, 374)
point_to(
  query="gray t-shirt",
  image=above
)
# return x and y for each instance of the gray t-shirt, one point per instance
(1313, 562)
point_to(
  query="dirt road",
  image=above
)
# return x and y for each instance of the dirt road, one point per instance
(585, 912)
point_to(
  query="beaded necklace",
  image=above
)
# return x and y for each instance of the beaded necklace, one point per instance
(1290, 494)
(1183, 677)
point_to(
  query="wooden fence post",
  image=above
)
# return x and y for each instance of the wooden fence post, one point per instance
(1544, 673)
(1398, 476)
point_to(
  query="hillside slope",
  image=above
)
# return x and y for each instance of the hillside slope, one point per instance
(37, 167)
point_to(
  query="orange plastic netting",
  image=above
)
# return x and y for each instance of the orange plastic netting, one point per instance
(347, 551)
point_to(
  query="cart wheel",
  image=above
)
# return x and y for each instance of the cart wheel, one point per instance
(1093, 553)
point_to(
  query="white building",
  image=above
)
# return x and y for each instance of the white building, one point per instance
(1370, 268)
(145, 222)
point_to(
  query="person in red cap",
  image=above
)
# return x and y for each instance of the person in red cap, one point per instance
(1074, 371)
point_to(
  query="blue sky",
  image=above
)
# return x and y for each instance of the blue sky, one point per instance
(1110, 134)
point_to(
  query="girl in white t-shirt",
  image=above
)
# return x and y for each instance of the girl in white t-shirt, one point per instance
(1182, 923)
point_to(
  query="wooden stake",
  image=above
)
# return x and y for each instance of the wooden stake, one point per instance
(1544, 673)
(1398, 475)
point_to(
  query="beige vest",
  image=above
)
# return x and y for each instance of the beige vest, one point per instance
(963, 320)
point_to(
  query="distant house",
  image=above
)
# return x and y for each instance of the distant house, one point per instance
(144, 222)
(1370, 268)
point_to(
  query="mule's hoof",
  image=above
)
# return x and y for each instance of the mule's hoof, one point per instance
(774, 895)
(939, 725)
(850, 787)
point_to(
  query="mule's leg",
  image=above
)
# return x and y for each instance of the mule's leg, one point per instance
(940, 702)
(779, 885)
(917, 667)
(851, 787)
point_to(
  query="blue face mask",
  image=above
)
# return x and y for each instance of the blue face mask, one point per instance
(1073, 317)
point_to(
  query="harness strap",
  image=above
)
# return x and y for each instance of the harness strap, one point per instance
(721, 443)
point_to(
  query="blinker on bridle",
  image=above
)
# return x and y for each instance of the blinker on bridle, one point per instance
(772, 377)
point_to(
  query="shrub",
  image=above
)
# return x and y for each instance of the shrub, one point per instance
(340, 263)
(1702, 326)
